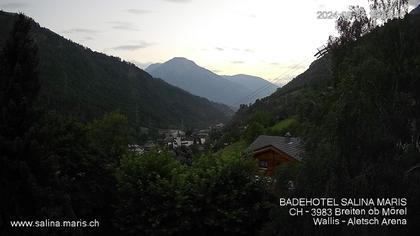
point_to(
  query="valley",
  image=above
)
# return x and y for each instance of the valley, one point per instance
(180, 149)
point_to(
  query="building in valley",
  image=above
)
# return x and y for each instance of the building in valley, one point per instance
(272, 151)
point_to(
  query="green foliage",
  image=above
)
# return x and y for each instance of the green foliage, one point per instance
(286, 176)
(253, 131)
(23, 179)
(361, 132)
(19, 80)
(234, 149)
(281, 105)
(214, 196)
(81, 172)
(150, 201)
(55, 167)
(367, 118)
(111, 135)
(282, 127)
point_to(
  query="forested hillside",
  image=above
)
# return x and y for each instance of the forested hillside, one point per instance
(280, 105)
(67, 158)
(360, 125)
(59, 174)
(254, 83)
(84, 84)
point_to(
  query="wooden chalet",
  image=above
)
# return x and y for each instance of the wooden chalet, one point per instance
(272, 151)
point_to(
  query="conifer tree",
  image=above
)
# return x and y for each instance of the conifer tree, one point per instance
(19, 86)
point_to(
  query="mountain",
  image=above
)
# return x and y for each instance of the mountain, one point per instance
(415, 11)
(281, 103)
(152, 67)
(253, 83)
(85, 84)
(199, 81)
(318, 73)
(318, 81)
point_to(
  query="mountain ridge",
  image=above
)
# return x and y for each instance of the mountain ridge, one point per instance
(254, 83)
(84, 84)
(200, 81)
(415, 11)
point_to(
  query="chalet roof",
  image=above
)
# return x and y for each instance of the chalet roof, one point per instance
(291, 146)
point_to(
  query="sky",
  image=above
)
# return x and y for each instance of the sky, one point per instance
(272, 39)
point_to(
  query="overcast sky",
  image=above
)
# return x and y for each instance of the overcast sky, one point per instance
(272, 39)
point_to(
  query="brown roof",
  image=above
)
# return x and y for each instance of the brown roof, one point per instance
(289, 145)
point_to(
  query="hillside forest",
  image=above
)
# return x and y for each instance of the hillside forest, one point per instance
(359, 119)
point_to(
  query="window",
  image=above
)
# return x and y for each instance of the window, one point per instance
(263, 164)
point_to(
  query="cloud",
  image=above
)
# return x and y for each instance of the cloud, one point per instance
(414, 3)
(13, 5)
(123, 25)
(321, 6)
(238, 62)
(248, 50)
(80, 30)
(132, 47)
(87, 38)
(137, 11)
(178, 1)
(219, 49)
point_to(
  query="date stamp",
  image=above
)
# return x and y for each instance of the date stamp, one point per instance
(332, 15)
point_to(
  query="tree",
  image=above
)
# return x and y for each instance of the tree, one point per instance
(150, 198)
(350, 27)
(24, 174)
(50, 167)
(19, 81)
(111, 135)
(83, 173)
(384, 10)
(361, 139)
(361, 132)
(213, 196)
(357, 22)
(354, 25)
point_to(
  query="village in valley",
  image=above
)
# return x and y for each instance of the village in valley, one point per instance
(143, 120)
(268, 151)
(176, 139)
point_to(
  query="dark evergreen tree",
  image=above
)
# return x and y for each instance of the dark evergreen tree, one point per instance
(19, 86)
(29, 188)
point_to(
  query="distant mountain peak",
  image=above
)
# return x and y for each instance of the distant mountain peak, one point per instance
(230, 90)
(242, 75)
(182, 60)
(175, 62)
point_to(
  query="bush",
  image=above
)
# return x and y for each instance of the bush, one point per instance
(158, 195)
